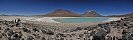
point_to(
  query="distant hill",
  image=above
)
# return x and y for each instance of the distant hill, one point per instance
(10, 15)
(62, 13)
(124, 15)
(3, 15)
(91, 14)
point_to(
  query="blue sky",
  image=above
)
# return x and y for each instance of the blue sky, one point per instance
(32, 7)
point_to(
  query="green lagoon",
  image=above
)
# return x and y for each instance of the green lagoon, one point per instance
(81, 19)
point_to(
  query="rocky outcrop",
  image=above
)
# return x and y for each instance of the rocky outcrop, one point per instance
(91, 13)
(62, 13)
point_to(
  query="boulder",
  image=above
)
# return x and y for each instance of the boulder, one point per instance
(124, 31)
(10, 32)
(15, 37)
(92, 33)
(108, 29)
(49, 32)
(100, 35)
(29, 37)
(35, 29)
(42, 38)
(127, 37)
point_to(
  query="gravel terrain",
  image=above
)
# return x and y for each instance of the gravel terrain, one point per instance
(114, 30)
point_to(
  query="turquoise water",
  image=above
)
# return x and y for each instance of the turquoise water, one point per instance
(80, 20)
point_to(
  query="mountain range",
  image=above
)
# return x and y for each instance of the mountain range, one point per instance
(67, 13)
(123, 15)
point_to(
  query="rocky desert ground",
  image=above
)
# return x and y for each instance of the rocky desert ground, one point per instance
(114, 30)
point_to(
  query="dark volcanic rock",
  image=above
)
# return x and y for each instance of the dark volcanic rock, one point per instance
(127, 37)
(109, 38)
(29, 37)
(49, 32)
(100, 35)
(15, 37)
(124, 31)
(92, 33)
(108, 29)
(26, 30)
(0, 35)
(78, 28)
(61, 39)
(35, 29)
(60, 35)
(5, 30)
(90, 28)
(10, 32)
(42, 38)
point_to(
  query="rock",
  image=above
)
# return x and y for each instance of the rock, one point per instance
(3, 34)
(42, 38)
(29, 38)
(87, 28)
(127, 37)
(114, 38)
(121, 18)
(0, 36)
(129, 26)
(49, 32)
(100, 35)
(132, 35)
(125, 24)
(60, 35)
(17, 20)
(10, 32)
(87, 36)
(109, 38)
(9, 38)
(15, 37)
(119, 38)
(61, 38)
(35, 29)
(108, 29)
(5, 30)
(90, 28)
(37, 36)
(124, 31)
(81, 35)
(92, 33)
(78, 28)
(17, 24)
(73, 34)
(22, 39)
(20, 33)
(26, 30)
(0, 28)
